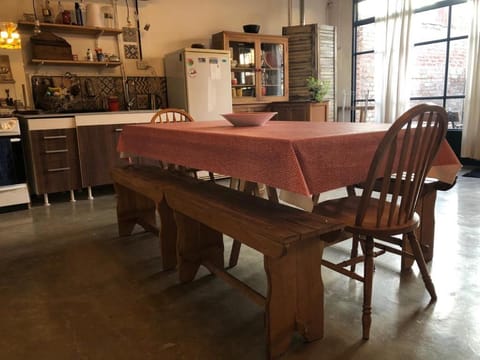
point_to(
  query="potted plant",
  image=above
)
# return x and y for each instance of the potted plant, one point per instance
(318, 88)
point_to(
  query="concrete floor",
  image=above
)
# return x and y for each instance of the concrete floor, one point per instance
(70, 288)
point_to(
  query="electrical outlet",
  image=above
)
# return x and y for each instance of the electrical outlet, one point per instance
(142, 65)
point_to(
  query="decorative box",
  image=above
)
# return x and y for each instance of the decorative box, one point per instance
(49, 46)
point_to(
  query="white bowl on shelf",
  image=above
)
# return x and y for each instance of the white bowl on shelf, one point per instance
(249, 118)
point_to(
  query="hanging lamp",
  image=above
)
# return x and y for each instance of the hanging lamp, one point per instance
(9, 36)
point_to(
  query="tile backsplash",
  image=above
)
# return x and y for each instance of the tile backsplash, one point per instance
(72, 93)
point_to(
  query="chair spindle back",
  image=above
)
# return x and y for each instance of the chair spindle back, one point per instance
(405, 155)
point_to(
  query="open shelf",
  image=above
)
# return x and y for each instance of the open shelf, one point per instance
(72, 29)
(76, 62)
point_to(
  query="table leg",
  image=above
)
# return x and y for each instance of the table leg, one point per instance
(426, 231)
(196, 243)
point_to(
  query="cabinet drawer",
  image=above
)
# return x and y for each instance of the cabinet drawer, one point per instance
(54, 157)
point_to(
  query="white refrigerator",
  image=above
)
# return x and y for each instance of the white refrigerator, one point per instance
(199, 82)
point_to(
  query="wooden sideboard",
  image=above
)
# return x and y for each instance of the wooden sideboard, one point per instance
(300, 110)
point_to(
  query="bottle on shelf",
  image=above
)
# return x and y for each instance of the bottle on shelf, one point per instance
(83, 11)
(60, 10)
(89, 55)
(47, 12)
(78, 14)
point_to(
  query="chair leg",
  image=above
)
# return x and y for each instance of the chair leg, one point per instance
(354, 251)
(367, 288)
(417, 252)
(235, 252)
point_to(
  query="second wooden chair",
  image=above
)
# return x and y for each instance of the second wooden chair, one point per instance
(172, 115)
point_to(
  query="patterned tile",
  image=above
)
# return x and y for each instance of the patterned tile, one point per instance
(131, 51)
(129, 34)
(141, 88)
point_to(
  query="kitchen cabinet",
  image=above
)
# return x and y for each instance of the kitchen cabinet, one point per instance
(300, 110)
(97, 143)
(259, 66)
(89, 31)
(261, 107)
(52, 155)
(98, 153)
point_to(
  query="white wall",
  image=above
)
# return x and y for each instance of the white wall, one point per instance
(177, 24)
(16, 66)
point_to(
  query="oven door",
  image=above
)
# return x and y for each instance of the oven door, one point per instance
(12, 168)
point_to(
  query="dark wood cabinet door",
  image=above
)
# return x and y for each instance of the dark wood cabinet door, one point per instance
(290, 112)
(300, 111)
(98, 153)
(54, 155)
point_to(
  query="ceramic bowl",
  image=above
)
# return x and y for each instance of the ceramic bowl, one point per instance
(251, 28)
(249, 118)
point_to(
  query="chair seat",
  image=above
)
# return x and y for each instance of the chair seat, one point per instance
(345, 209)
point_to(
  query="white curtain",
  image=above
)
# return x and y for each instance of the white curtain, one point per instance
(471, 118)
(393, 44)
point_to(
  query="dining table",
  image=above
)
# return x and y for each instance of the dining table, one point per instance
(303, 158)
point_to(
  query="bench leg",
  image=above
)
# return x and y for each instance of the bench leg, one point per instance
(294, 296)
(196, 243)
(133, 208)
(168, 236)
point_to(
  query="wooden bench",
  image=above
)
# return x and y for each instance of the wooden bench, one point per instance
(289, 239)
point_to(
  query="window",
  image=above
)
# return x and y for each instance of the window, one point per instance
(439, 30)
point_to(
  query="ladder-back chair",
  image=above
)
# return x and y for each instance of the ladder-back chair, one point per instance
(408, 148)
(172, 115)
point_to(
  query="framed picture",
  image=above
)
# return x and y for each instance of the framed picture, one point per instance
(5, 70)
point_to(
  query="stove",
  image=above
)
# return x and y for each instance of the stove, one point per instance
(6, 113)
(13, 185)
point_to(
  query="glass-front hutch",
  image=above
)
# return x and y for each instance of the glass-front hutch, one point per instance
(259, 66)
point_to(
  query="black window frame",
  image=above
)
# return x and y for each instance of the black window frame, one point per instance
(448, 40)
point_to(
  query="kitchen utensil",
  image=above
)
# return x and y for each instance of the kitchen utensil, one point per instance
(89, 88)
(75, 89)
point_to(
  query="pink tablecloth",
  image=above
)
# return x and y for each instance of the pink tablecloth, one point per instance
(302, 157)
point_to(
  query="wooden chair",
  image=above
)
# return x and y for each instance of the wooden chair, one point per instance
(172, 115)
(408, 148)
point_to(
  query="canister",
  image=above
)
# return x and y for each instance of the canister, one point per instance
(94, 15)
(113, 103)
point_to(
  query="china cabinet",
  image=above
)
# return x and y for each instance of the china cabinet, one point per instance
(259, 66)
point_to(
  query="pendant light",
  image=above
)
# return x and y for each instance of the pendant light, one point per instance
(9, 36)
